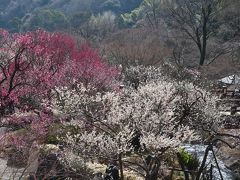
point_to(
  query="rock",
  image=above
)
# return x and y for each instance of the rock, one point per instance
(49, 165)
(32, 164)
(3, 131)
(49, 148)
(235, 167)
(17, 159)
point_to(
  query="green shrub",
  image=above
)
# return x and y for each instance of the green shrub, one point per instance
(189, 160)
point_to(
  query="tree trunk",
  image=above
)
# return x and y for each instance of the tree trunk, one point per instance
(182, 166)
(120, 166)
(202, 59)
(152, 176)
(153, 168)
(206, 11)
(204, 45)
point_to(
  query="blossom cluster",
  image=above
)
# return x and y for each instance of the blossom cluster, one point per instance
(160, 114)
(34, 63)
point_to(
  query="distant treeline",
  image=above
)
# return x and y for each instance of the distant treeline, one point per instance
(25, 15)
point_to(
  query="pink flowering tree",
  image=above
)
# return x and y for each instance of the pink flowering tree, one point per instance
(34, 63)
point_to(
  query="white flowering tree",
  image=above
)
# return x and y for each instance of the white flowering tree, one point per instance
(137, 127)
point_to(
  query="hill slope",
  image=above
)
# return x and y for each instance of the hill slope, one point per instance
(16, 13)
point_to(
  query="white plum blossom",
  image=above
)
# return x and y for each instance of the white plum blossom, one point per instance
(161, 114)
